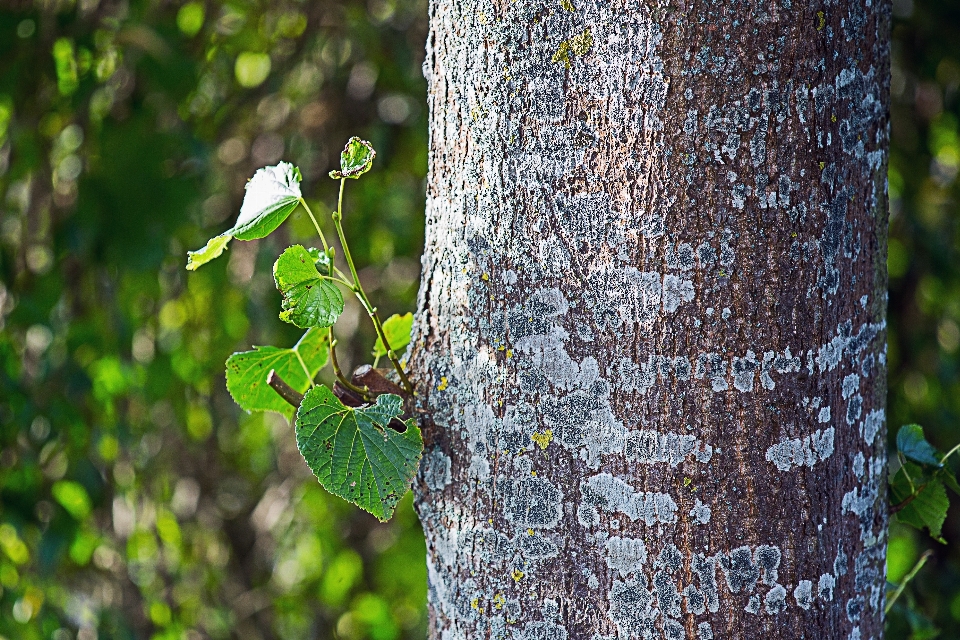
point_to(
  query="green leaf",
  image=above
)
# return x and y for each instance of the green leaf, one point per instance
(72, 497)
(190, 18)
(908, 477)
(947, 477)
(247, 371)
(921, 627)
(928, 508)
(211, 251)
(397, 329)
(912, 444)
(355, 159)
(272, 195)
(308, 299)
(354, 453)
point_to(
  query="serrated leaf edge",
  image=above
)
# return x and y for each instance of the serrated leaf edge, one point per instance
(387, 508)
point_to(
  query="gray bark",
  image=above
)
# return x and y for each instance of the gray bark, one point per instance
(651, 333)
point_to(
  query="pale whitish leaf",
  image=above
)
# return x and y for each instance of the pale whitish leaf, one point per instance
(308, 299)
(271, 195)
(247, 371)
(397, 329)
(355, 454)
(355, 159)
(210, 251)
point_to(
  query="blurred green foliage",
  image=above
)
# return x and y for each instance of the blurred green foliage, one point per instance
(136, 499)
(924, 311)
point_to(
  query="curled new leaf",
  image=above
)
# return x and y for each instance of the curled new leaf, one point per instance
(247, 371)
(210, 251)
(354, 453)
(309, 299)
(355, 159)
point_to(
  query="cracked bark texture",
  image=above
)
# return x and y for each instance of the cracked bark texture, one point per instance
(651, 332)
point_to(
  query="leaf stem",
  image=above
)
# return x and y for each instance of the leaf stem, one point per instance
(337, 218)
(910, 576)
(913, 488)
(316, 225)
(342, 281)
(362, 295)
(343, 277)
(336, 368)
(305, 369)
(949, 453)
(372, 312)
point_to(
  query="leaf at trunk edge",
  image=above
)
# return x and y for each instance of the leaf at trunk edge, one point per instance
(928, 508)
(354, 453)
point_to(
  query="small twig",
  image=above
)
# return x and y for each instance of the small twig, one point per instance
(913, 496)
(285, 391)
(348, 397)
(375, 381)
(903, 583)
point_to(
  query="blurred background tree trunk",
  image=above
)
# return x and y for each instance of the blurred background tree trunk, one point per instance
(651, 332)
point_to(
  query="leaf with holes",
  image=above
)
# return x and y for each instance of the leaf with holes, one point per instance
(355, 453)
(397, 329)
(247, 371)
(355, 159)
(309, 299)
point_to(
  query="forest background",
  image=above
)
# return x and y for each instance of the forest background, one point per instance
(136, 499)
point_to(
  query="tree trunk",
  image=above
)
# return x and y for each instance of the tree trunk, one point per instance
(651, 334)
